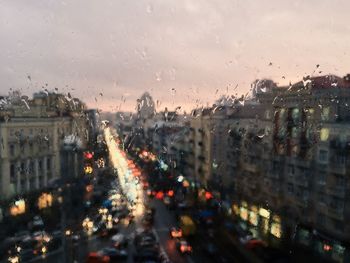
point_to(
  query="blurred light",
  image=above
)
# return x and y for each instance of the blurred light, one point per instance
(14, 259)
(170, 193)
(43, 249)
(89, 188)
(45, 200)
(88, 170)
(180, 178)
(18, 208)
(160, 195)
(88, 155)
(264, 213)
(327, 247)
(208, 195)
(185, 183)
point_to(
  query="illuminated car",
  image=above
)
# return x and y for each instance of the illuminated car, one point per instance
(184, 247)
(175, 232)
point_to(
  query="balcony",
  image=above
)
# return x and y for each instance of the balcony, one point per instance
(302, 182)
(338, 191)
(250, 167)
(339, 168)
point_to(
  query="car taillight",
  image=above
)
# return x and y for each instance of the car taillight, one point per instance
(105, 259)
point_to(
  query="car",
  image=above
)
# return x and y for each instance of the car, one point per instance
(175, 232)
(119, 241)
(141, 234)
(244, 239)
(184, 247)
(106, 232)
(114, 254)
(21, 235)
(37, 224)
(255, 243)
(95, 257)
(41, 236)
(26, 255)
(147, 255)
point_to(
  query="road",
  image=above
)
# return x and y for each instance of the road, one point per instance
(163, 221)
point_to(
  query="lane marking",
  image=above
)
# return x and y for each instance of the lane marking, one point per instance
(162, 250)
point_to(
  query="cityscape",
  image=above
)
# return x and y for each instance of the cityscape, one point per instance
(179, 132)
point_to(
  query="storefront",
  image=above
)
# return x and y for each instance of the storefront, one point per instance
(322, 245)
(259, 220)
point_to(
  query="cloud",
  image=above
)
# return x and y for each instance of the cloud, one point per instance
(192, 46)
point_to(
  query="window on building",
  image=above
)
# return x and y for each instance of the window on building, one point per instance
(324, 134)
(323, 156)
(12, 150)
(295, 114)
(23, 168)
(291, 170)
(325, 113)
(48, 163)
(13, 173)
(322, 198)
(322, 177)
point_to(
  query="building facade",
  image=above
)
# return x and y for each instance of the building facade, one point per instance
(285, 162)
(32, 132)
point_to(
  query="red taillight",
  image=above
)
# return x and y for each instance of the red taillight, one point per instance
(160, 195)
(105, 259)
(183, 248)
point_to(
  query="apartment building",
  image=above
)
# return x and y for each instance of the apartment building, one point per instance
(32, 132)
(292, 183)
(284, 155)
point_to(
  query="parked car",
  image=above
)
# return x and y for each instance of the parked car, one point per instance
(184, 247)
(175, 232)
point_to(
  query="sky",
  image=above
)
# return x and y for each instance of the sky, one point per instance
(185, 53)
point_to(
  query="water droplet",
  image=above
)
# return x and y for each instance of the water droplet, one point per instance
(173, 91)
(149, 8)
(158, 76)
(25, 103)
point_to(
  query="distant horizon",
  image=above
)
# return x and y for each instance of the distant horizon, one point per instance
(161, 106)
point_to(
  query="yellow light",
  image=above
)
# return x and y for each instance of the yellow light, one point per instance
(264, 213)
(18, 208)
(43, 249)
(45, 200)
(68, 232)
(14, 259)
(324, 134)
